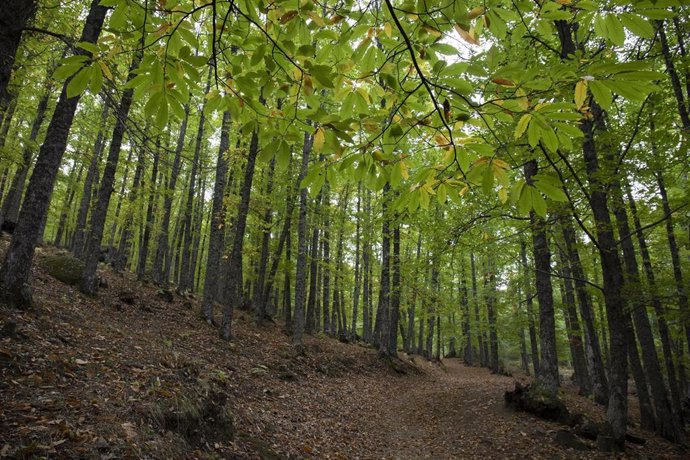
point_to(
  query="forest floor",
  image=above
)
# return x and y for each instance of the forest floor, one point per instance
(129, 374)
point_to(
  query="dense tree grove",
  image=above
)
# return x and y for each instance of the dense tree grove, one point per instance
(505, 181)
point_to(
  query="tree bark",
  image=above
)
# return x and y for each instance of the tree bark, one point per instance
(534, 344)
(232, 295)
(14, 16)
(548, 364)
(87, 193)
(161, 262)
(217, 228)
(89, 282)
(300, 276)
(150, 217)
(14, 274)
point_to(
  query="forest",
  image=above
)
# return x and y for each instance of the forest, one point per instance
(499, 182)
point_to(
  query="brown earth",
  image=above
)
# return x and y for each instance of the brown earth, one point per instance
(127, 374)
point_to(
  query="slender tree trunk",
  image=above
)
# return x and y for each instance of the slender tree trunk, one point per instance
(465, 306)
(524, 358)
(477, 315)
(12, 203)
(233, 286)
(665, 423)
(574, 332)
(14, 274)
(394, 313)
(161, 264)
(355, 295)
(327, 319)
(382, 329)
(124, 248)
(673, 74)
(664, 333)
(548, 365)
(301, 275)
(683, 303)
(62, 233)
(313, 266)
(534, 347)
(217, 226)
(366, 267)
(89, 282)
(261, 292)
(595, 363)
(150, 216)
(87, 193)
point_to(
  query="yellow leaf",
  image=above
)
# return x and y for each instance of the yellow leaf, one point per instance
(580, 93)
(105, 70)
(388, 29)
(522, 125)
(441, 140)
(466, 35)
(403, 170)
(500, 163)
(474, 12)
(503, 195)
(319, 139)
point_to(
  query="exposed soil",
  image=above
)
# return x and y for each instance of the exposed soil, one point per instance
(127, 374)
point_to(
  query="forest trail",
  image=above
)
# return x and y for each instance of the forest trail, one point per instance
(135, 373)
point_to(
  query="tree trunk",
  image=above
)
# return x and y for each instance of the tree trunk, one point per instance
(232, 295)
(301, 275)
(187, 269)
(383, 324)
(14, 16)
(313, 266)
(87, 193)
(261, 292)
(548, 365)
(665, 424)
(664, 333)
(327, 319)
(217, 227)
(582, 378)
(595, 363)
(12, 203)
(14, 274)
(62, 233)
(394, 312)
(683, 303)
(161, 264)
(89, 282)
(126, 235)
(355, 294)
(534, 347)
(150, 216)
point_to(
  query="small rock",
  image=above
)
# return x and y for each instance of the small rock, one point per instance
(127, 297)
(565, 438)
(166, 295)
(102, 282)
(101, 443)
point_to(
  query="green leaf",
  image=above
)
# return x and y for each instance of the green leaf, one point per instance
(615, 30)
(533, 134)
(602, 94)
(637, 25)
(79, 82)
(162, 113)
(553, 192)
(525, 200)
(538, 202)
(96, 78)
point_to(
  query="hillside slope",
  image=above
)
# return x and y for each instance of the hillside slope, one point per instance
(128, 374)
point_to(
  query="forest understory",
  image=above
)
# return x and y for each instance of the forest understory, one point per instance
(135, 372)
